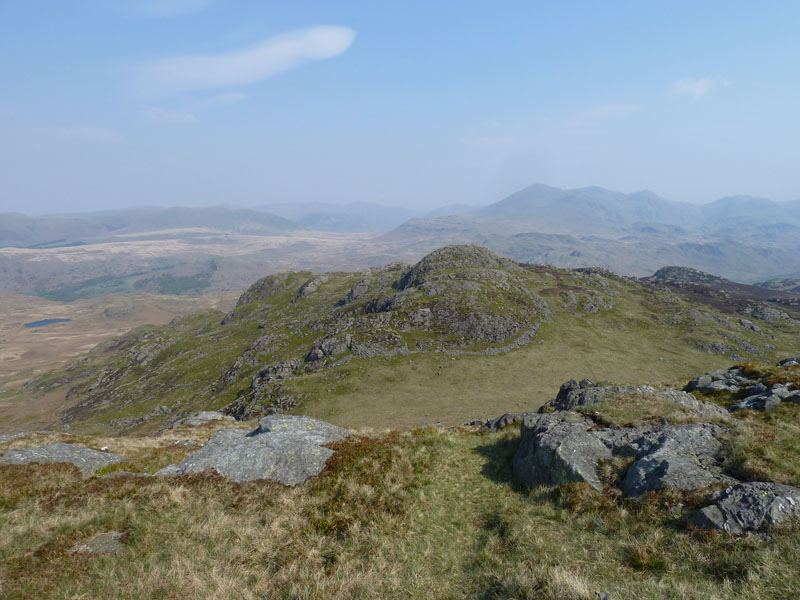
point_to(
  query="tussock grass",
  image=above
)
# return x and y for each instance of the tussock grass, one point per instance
(409, 514)
(629, 410)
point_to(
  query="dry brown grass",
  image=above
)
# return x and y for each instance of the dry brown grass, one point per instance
(415, 514)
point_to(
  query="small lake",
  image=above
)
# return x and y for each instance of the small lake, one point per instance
(44, 322)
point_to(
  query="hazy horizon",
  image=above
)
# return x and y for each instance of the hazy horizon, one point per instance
(109, 106)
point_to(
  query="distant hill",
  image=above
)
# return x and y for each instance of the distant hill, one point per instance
(784, 284)
(740, 237)
(355, 217)
(17, 230)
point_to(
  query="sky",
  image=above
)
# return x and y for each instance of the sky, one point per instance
(109, 104)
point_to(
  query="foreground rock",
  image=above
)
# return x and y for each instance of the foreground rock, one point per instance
(86, 459)
(284, 448)
(753, 507)
(565, 446)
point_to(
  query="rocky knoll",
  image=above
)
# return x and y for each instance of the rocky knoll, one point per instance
(86, 459)
(287, 449)
(569, 440)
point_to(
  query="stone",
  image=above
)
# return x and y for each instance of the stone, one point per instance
(725, 380)
(760, 402)
(86, 459)
(284, 448)
(557, 448)
(573, 394)
(790, 362)
(676, 456)
(8, 437)
(102, 543)
(754, 507)
(562, 446)
(203, 417)
(501, 422)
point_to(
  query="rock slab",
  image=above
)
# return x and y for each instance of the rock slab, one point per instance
(102, 543)
(284, 448)
(86, 459)
(753, 507)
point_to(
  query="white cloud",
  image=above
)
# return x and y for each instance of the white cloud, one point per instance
(697, 87)
(166, 8)
(269, 57)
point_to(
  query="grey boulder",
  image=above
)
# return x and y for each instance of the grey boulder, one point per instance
(203, 417)
(753, 507)
(790, 361)
(86, 459)
(283, 448)
(557, 448)
(760, 402)
(677, 456)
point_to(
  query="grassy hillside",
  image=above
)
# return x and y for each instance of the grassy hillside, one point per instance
(462, 334)
(419, 513)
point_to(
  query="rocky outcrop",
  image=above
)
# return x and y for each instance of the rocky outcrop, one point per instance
(201, 418)
(573, 394)
(731, 380)
(310, 286)
(558, 448)
(287, 449)
(684, 457)
(565, 446)
(754, 507)
(86, 459)
(790, 362)
(757, 395)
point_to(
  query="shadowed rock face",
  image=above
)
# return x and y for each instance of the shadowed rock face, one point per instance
(86, 459)
(283, 448)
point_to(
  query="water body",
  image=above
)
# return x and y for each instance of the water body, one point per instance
(44, 322)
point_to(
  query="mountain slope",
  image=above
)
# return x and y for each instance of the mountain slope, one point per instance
(377, 348)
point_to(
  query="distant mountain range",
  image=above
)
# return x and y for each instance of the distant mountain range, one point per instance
(742, 238)
(22, 231)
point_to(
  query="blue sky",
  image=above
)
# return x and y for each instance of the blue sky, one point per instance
(117, 103)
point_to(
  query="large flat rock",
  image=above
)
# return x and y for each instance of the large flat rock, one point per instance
(283, 448)
(86, 459)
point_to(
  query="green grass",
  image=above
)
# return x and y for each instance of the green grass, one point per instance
(410, 514)
(639, 339)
